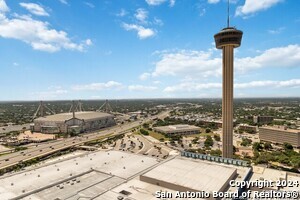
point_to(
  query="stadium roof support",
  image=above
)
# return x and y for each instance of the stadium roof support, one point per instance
(105, 107)
(41, 110)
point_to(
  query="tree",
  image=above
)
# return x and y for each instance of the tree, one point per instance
(207, 130)
(246, 142)
(209, 141)
(217, 138)
(287, 146)
(257, 146)
(268, 146)
(234, 149)
(217, 152)
(144, 132)
(73, 133)
(146, 125)
(195, 140)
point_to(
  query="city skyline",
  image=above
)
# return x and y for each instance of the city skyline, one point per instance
(145, 49)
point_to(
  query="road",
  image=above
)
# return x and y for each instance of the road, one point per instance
(6, 129)
(44, 149)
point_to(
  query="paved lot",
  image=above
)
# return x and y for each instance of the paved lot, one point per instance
(44, 149)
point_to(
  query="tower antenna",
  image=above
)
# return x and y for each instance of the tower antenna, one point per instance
(228, 14)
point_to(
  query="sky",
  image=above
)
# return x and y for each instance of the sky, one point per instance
(126, 49)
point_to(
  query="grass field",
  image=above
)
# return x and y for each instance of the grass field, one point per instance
(153, 134)
(157, 136)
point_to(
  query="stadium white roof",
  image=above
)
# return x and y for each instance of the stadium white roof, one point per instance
(79, 115)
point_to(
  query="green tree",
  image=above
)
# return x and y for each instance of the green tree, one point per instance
(195, 140)
(287, 146)
(216, 152)
(209, 141)
(268, 146)
(146, 125)
(217, 138)
(257, 146)
(144, 132)
(246, 142)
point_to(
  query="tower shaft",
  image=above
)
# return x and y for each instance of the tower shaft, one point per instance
(227, 101)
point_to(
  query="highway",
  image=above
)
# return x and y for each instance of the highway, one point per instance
(43, 149)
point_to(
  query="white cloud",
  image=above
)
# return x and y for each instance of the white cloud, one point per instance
(213, 1)
(275, 84)
(37, 33)
(276, 31)
(192, 86)
(155, 2)
(159, 2)
(142, 32)
(288, 56)
(63, 1)
(15, 64)
(144, 76)
(253, 6)
(202, 12)
(34, 9)
(3, 7)
(89, 4)
(141, 15)
(99, 86)
(172, 3)
(122, 13)
(88, 42)
(156, 82)
(187, 63)
(141, 88)
(158, 22)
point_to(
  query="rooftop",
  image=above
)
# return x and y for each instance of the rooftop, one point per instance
(196, 175)
(178, 127)
(102, 169)
(280, 128)
(78, 115)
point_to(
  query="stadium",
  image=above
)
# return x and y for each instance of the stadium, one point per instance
(77, 122)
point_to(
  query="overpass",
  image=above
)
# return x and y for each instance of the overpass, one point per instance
(44, 149)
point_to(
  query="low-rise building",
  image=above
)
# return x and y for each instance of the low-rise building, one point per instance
(279, 135)
(180, 129)
(263, 119)
(248, 128)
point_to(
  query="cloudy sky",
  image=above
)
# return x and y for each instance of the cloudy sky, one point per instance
(91, 49)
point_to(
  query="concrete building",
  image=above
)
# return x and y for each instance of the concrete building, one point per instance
(228, 39)
(116, 175)
(77, 121)
(180, 129)
(279, 135)
(248, 128)
(175, 173)
(263, 119)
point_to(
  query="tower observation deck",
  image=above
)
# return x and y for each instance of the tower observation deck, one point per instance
(228, 39)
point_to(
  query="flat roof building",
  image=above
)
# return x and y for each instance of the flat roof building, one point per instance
(263, 119)
(77, 121)
(183, 174)
(248, 128)
(279, 135)
(179, 129)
